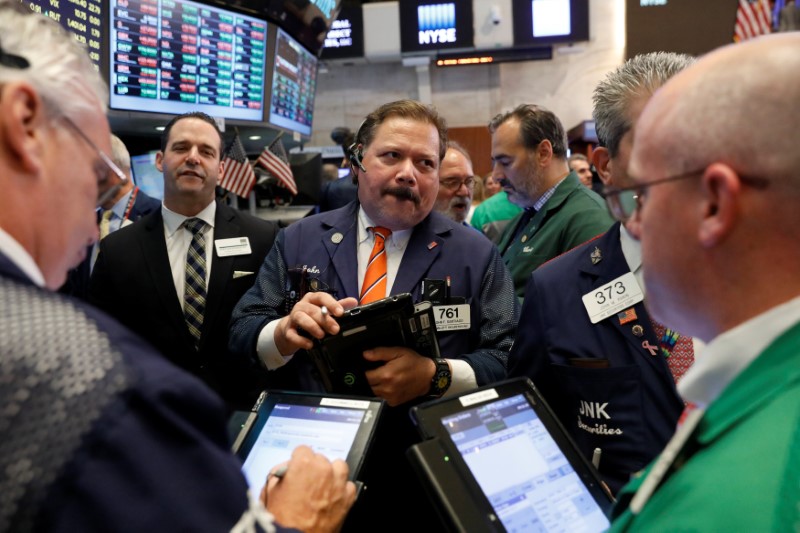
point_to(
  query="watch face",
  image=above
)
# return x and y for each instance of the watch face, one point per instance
(442, 380)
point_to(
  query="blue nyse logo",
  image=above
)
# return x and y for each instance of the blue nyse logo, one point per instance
(437, 23)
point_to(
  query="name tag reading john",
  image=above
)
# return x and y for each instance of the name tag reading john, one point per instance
(612, 297)
(234, 246)
(451, 317)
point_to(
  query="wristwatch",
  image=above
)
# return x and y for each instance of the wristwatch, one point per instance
(441, 378)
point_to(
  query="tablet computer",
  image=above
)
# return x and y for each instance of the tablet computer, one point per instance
(338, 427)
(392, 321)
(497, 459)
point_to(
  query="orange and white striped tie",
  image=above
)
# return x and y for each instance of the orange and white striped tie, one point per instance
(374, 287)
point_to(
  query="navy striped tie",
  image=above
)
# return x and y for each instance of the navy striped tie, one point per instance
(194, 292)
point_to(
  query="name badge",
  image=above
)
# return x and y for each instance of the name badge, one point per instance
(451, 317)
(234, 246)
(612, 297)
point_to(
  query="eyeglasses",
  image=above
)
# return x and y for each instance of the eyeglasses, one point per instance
(101, 169)
(453, 184)
(622, 202)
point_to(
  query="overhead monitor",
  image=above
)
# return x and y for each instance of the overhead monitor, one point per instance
(430, 25)
(176, 56)
(307, 21)
(294, 85)
(345, 39)
(84, 20)
(550, 21)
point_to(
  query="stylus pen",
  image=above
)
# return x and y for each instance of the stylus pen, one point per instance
(324, 311)
(596, 457)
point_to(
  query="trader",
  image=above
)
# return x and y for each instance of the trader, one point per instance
(396, 160)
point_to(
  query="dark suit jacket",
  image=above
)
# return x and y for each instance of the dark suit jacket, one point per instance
(597, 377)
(336, 194)
(132, 281)
(77, 283)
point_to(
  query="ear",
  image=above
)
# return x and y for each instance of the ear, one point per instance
(602, 162)
(23, 117)
(544, 152)
(160, 161)
(721, 190)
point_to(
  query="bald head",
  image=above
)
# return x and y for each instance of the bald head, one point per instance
(739, 104)
(715, 152)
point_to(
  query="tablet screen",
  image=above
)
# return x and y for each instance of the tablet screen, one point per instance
(338, 428)
(521, 470)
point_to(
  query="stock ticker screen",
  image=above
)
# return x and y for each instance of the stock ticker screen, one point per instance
(82, 18)
(175, 56)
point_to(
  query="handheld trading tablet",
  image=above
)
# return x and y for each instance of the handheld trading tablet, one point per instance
(338, 427)
(391, 321)
(497, 459)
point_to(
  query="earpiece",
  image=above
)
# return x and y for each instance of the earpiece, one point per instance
(355, 154)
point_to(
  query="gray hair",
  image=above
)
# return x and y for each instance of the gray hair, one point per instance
(639, 76)
(120, 154)
(59, 65)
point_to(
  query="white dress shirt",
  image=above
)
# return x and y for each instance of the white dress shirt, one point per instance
(21, 258)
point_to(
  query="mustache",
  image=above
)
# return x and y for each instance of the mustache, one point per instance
(404, 193)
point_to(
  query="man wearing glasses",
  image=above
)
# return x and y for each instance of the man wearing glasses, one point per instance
(97, 431)
(456, 184)
(714, 168)
(585, 337)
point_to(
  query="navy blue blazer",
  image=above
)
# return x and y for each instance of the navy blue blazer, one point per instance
(606, 389)
(143, 446)
(438, 248)
(132, 281)
(77, 283)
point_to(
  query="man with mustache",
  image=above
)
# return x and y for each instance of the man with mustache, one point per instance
(529, 151)
(140, 276)
(396, 161)
(456, 184)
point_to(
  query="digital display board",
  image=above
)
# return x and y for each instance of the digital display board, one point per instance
(307, 21)
(294, 85)
(431, 25)
(346, 36)
(82, 18)
(176, 56)
(550, 21)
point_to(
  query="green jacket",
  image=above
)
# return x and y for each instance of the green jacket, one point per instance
(745, 476)
(572, 216)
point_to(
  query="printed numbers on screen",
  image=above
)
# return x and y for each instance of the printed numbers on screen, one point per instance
(606, 293)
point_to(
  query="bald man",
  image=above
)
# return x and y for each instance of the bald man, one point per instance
(714, 171)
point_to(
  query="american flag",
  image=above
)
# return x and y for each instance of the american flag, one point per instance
(753, 18)
(274, 159)
(238, 176)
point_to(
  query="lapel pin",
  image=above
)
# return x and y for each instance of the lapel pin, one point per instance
(524, 238)
(336, 238)
(596, 256)
(628, 315)
(432, 245)
(638, 330)
(651, 348)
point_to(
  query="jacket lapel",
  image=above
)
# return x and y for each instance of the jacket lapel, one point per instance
(339, 236)
(226, 226)
(424, 247)
(611, 265)
(156, 259)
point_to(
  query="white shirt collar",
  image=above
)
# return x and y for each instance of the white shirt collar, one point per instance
(398, 239)
(631, 249)
(730, 353)
(173, 220)
(21, 258)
